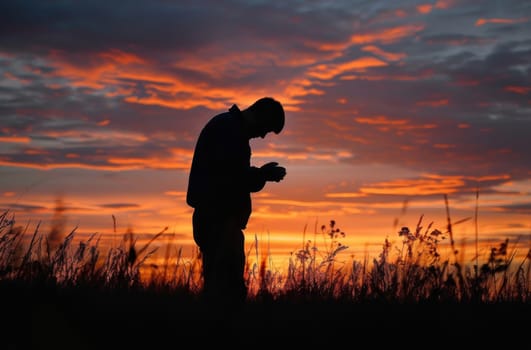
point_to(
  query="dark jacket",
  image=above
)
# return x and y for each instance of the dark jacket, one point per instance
(221, 176)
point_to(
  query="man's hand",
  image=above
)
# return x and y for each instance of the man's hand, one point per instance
(273, 172)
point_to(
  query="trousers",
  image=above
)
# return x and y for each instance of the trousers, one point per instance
(221, 244)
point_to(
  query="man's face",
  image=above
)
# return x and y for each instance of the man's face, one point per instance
(259, 133)
(260, 129)
(263, 133)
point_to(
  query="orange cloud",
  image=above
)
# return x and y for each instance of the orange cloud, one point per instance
(388, 35)
(309, 208)
(179, 158)
(443, 146)
(47, 166)
(385, 124)
(182, 152)
(35, 151)
(329, 71)
(175, 193)
(147, 162)
(386, 55)
(345, 195)
(114, 135)
(433, 103)
(483, 21)
(94, 76)
(429, 185)
(270, 154)
(104, 122)
(121, 57)
(425, 74)
(424, 8)
(111, 70)
(445, 4)
(217, 66)
(521, 90)
(186, 103)
(11, 76)
(380, 120)
(15, 139)
(400, 13)
(489, 177)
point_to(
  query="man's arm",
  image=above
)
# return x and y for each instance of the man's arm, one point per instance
(267, 172)
(273, 172)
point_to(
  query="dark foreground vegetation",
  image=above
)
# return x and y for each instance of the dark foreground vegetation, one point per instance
(73, 295)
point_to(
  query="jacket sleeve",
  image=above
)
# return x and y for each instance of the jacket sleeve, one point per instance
(256, 180)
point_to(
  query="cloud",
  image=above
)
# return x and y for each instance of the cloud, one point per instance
(523, 208)
(329, 71)
(436, 88)
(120, 206)
(28, 208)
(483, 21)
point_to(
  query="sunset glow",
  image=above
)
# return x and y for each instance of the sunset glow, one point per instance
(390, 106)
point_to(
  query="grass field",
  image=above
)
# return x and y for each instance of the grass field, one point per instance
(76, 296)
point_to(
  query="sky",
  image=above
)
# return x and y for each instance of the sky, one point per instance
(390, 107)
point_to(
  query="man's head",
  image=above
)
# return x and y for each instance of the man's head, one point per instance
(267, 115)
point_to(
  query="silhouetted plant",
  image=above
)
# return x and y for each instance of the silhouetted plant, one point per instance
(411, 270)
(314, 272)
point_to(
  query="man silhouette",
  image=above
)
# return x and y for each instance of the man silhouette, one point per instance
(220, 184)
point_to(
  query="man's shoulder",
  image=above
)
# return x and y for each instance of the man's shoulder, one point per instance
(221, 121)
(221, 117)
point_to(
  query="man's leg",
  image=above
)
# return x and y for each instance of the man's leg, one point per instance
(204, 226)
(223, 257)
(235, 262)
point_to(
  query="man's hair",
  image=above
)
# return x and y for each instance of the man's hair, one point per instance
(270, 112)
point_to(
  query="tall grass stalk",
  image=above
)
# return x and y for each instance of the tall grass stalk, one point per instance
(413, 270)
